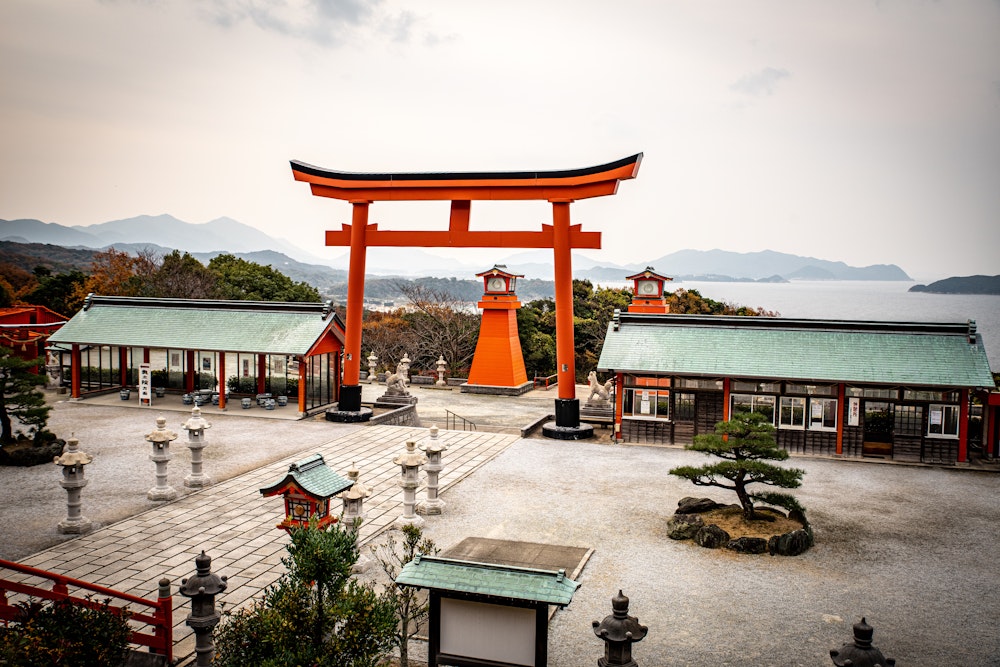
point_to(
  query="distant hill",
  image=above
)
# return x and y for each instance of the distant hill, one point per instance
(962, 285)
(768, 264)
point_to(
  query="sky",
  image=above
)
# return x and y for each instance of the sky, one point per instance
(861, 131)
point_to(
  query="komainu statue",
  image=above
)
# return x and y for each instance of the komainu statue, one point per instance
(603, 392)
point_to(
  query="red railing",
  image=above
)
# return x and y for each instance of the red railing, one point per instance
(158, 635)
(545, 381)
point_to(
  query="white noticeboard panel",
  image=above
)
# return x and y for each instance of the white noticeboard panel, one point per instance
(488, 631)
(145, 384)
(853, 411)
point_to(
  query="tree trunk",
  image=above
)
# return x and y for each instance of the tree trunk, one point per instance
(745, 502)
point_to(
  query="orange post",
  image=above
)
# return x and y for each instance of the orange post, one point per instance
(565, 351)
(350, 392)
(222, 380)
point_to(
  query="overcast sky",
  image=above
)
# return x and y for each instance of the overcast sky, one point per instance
(861, 131)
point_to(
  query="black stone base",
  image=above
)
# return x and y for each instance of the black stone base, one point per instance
(350, 398)
(348, 416)
(578, 432)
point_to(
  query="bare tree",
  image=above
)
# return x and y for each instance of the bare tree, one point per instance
(440, 324)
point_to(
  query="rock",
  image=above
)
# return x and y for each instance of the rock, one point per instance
(25, 453)
(790, 544)
(748, 545)
(684, 526)
(711, 537)
(696, 505)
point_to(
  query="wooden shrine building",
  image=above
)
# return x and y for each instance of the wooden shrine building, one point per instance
(898, 390)
(248, 347)
(26, 329)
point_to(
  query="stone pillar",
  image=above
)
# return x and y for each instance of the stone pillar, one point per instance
(202, 589)
(73, 462)
(372, 364)
(433, 449)
(354, 513)
(441, 364)
(196, 426)
(161, 439)
(409, 463)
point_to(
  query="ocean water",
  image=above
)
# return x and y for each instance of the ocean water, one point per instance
(863, 300)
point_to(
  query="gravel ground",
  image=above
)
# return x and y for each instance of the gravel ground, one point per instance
(910, 548)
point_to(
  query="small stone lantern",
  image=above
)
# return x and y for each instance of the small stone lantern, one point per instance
(354, 513)
(441, 364)
(861, 653)
(196, 426)
(409, 463)
(372, 363)
(161, 439)
(307, 489)
(405, 361)
(619, 631)
(433, 449)
(202, 589)
(73, 462)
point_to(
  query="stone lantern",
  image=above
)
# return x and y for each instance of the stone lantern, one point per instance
(405, 361)
(861, 653)
(409, 463)
(161, 439)
(202, 589)
(73, 462)
(307, 489)
(354, 513)
(433, 449)
(196, 426)
(441, 365)
(372, 363)
(619, 631)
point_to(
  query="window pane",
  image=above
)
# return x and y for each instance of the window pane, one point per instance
(663, 404)
(792, 413)
(684, 407)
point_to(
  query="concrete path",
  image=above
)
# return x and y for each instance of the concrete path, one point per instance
(235, 525)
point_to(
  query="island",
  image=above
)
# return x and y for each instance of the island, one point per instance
(962, 285)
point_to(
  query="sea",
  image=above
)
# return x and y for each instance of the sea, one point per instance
(884, 301)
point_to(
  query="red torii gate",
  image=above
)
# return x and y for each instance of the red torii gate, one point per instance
(560, 188)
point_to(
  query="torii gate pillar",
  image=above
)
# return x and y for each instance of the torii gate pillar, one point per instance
(560, 188)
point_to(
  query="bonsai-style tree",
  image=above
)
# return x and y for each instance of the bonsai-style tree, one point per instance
(744, 443)
(20, 398)
(315, 614)
(409, 608)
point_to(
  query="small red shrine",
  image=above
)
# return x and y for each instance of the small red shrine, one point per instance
(498, 364)
(648, 295)
(307, 489)
(26, 329)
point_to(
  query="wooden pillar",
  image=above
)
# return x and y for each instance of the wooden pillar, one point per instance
(261, 372)
(75, 370)
(350, 392)
(189, 371)
(123, 365)
(145, 355)
(222, 380)
(302, 384)
(841, 411)
(725, 399)
(619, 404)
(963, 427)
(563, 264)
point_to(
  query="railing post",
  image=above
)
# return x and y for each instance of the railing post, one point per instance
(164, 631)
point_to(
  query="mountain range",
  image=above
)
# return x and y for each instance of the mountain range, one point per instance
(163, 233)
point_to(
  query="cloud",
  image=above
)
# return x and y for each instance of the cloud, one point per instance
(760, 83)
(324, 22)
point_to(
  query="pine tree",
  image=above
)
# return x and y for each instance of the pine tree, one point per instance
(745, 443)
(20, 398)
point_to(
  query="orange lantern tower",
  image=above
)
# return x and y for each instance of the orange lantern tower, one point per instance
(648, 295)
(560, 188)
(498, 365)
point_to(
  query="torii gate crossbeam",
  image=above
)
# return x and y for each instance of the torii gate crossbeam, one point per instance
(560, 188)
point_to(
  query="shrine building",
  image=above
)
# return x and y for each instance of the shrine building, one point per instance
(248, 347)
(894, 390)
(26, 329)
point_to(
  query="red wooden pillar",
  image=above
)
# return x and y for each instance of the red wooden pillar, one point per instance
(302, 384)
(350, 391)
(563, 263)
(222, 380)
(841, 394)
(619, 403)
(75, 371)
(725, 399)
(123, 365)
(963, 427)
(261, 372)
(190, 371)
(145, 355)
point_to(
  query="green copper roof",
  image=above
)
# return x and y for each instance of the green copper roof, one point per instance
(313, 477)
(928, 354)
(502, 581)
(193, 324)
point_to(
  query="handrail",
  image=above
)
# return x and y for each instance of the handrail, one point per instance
(451, 421)
(546, 380)
(160, 619)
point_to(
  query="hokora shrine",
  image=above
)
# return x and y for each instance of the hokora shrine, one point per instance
(560, 188)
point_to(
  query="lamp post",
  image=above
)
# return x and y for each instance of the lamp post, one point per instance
(409, 463)
(354, 513)
(161, 438)
(433, 449)
(618, 632)
(860, 653)
(372, 363)
(441, 365)
(195, 426)
(73, 462)
(202, 589)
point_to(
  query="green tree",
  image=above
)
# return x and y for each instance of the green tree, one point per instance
(57, 291)
(745, 443)
(410, 610)
(314, 614)
(20, 398)
(182, 277)
(249, 281)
